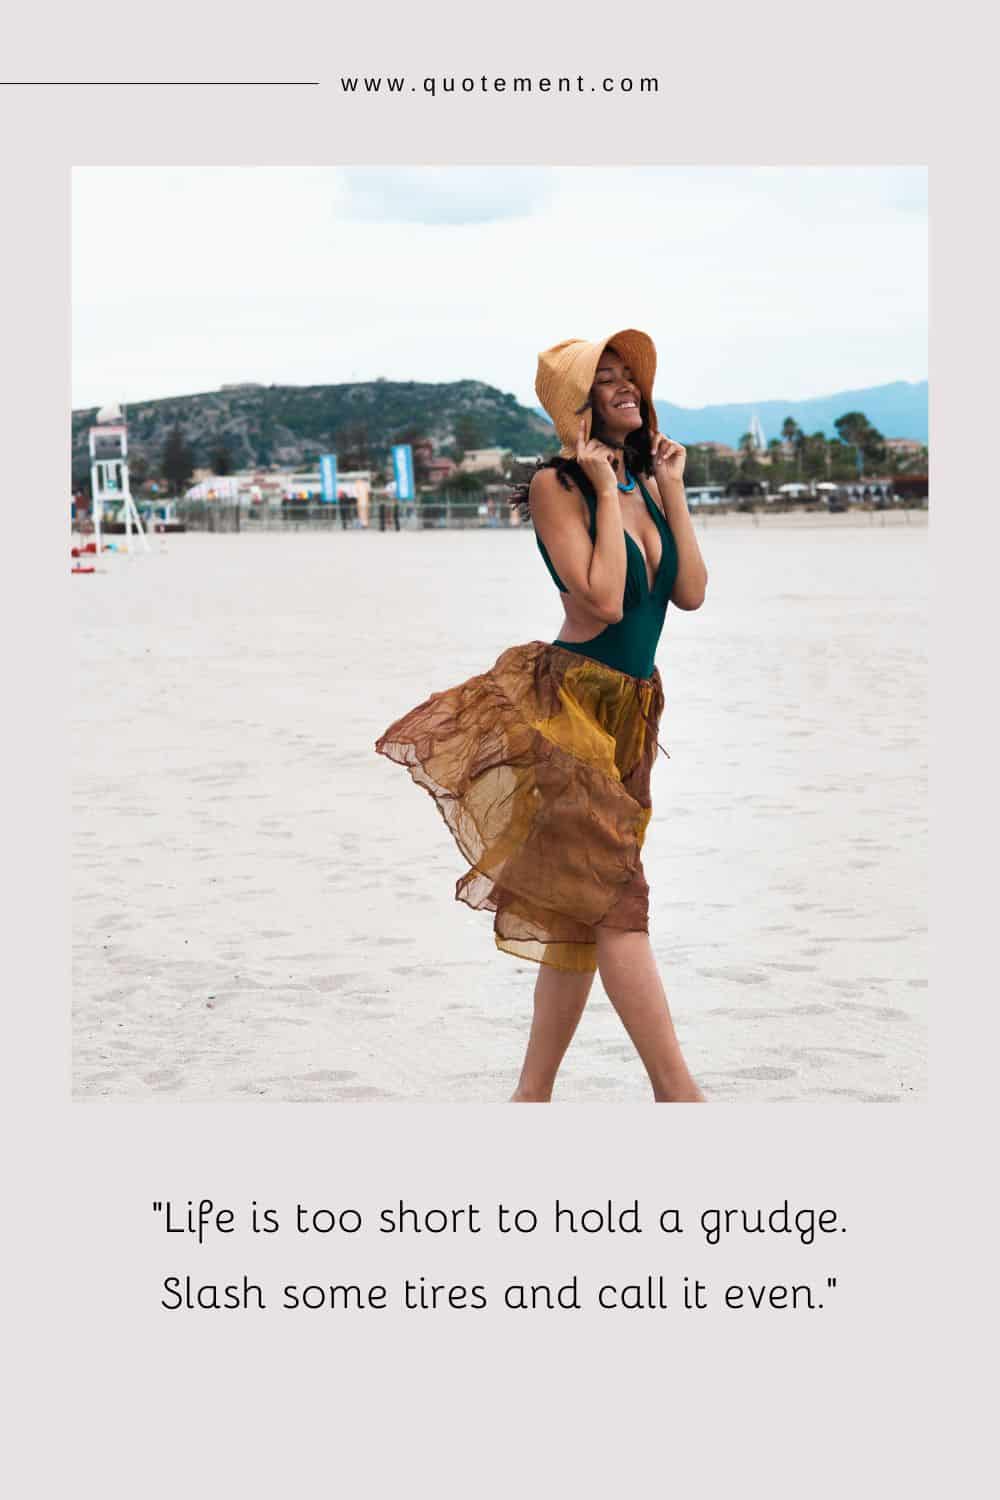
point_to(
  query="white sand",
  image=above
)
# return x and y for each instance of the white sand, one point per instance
(264, 908)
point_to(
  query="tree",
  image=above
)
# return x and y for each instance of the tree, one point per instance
(463, 486)
(80, 479)
(852, 427)
(138, 471)
(468, 433)
(793, 434)
(855, 428)
(748, 447)
(177, 463)
(706, 467)
(696, 468)
(353, 447)
(221, 460)
(843, 459)
(815, 457)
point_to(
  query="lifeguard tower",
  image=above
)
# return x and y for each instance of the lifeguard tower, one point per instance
(109, 475)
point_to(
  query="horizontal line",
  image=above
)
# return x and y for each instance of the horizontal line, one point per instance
(162, 83)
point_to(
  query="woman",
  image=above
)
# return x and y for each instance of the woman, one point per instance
(541, 765)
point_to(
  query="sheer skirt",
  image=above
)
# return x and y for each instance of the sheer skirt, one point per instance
(540, 767)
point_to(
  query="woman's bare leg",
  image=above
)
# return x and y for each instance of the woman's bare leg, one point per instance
(632, 981)
(559, 1003)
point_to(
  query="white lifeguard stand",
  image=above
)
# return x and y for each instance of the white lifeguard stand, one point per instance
(109, 475)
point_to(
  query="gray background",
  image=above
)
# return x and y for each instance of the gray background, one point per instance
(113, 1397)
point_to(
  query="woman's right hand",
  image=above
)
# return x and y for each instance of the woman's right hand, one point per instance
(596, 460)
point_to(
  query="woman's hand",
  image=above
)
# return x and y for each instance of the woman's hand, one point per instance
(668, 459)
(596, 460)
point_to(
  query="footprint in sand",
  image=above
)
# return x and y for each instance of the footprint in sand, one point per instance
(882, 1012)
(163, 1078)
(737, 974)
(864, 1098)
(358, 1093)
(761, 1074)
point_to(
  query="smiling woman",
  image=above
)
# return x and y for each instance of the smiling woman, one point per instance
(630, 631)
(541, 766)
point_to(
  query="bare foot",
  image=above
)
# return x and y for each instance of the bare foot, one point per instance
(521, 1096)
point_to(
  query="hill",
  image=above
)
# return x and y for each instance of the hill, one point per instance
(292, 425)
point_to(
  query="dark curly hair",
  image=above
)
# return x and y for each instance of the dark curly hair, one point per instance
(638, 450)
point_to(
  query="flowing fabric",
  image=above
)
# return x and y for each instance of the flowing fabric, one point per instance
(540, 767)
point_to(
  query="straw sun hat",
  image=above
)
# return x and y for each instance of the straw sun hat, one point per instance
(566, 373)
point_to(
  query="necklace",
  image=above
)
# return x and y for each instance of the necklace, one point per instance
(627, 489)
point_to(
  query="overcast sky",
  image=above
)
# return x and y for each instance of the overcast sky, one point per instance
(755, 282)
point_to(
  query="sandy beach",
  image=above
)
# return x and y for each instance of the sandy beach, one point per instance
(264, 908)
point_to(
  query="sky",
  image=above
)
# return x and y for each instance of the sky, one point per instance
(755, 282)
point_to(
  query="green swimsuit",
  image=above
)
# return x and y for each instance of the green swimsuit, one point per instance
(629, 644)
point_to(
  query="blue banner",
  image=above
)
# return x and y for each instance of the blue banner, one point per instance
(328, 476)
(402, 464)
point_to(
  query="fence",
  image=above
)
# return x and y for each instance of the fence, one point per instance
(429, 513)
(439, 512)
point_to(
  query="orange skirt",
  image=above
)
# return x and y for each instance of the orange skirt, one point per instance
(541, 768)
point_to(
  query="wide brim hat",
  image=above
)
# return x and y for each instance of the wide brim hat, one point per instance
(566, 374)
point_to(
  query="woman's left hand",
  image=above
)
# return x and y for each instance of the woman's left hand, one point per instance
(668, 458)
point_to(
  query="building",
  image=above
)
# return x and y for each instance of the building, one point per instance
(904, 447)
(717, 450)
(224, 488)
(437, 470)
(275, 488)
(479, 459)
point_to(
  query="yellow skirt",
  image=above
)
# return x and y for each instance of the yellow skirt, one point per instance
(541, 768)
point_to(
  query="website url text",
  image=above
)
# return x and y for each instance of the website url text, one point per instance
(453, 84)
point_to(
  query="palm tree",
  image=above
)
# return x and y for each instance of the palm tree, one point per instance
(748, 447)
(793, 434)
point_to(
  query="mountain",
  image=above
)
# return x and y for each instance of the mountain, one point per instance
(292, 425)
(897, 410)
